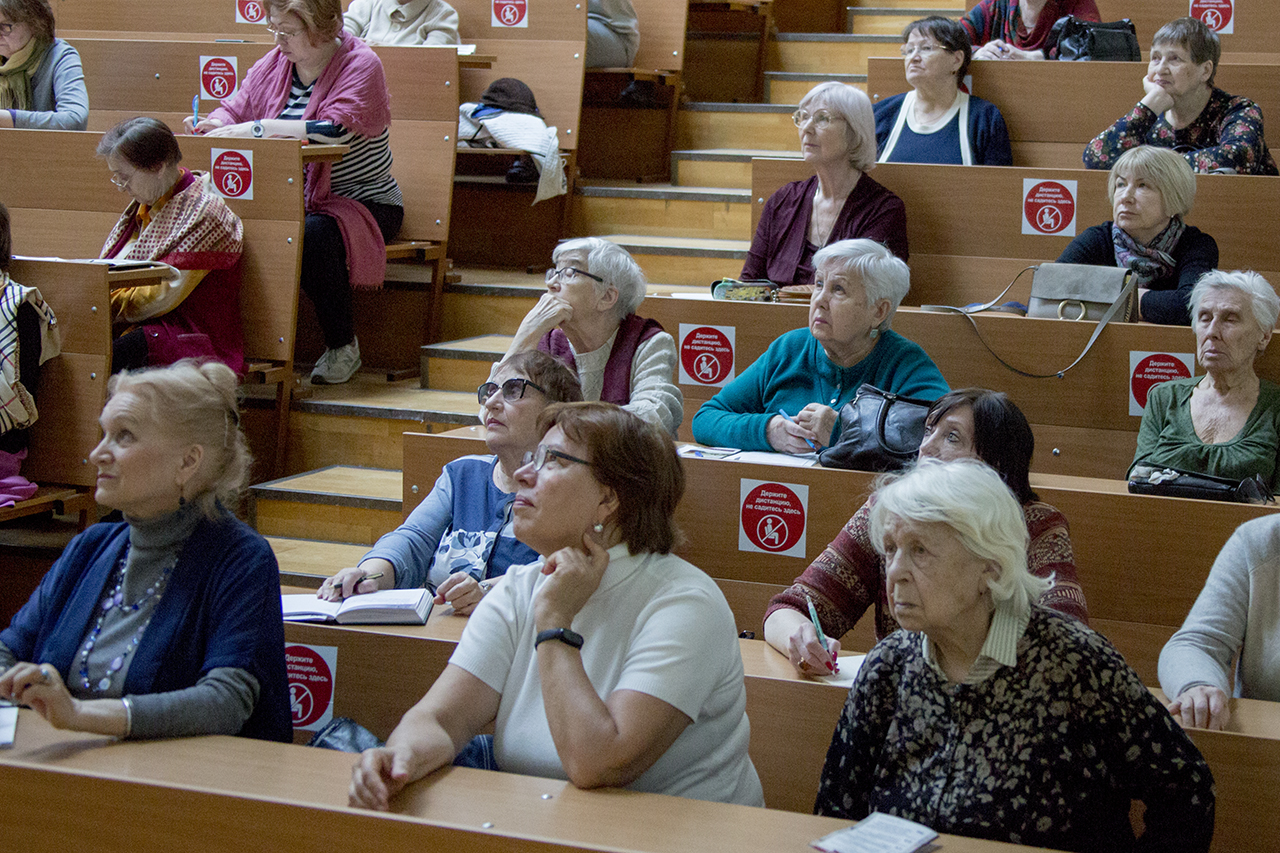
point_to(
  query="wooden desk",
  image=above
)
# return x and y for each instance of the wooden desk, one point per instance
(236, 795)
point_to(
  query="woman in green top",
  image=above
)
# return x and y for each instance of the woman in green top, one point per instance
(1227, 422)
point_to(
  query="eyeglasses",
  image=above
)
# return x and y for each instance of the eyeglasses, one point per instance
(923, 49)
(821, 118)
(6, 29)
(120, 183)
(568, 274)
(540, 456)
(512, 390)
(282, 34)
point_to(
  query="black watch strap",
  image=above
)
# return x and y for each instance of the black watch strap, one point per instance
(564, 635)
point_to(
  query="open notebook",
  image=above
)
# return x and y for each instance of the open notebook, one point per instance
(385, 607)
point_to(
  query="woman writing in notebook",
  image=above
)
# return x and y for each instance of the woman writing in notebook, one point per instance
(607, 662)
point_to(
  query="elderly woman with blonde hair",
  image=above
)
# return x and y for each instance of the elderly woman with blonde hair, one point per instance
(1225, 423)
(989, 715)
(840, 202)
(1151, 191)
(588, 318)
(166, 624)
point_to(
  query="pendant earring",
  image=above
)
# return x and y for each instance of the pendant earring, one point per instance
(598, 528)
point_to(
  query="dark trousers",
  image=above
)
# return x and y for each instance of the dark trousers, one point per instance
(324, 269)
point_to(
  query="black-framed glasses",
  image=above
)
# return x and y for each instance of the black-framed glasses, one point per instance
(512, 390)
(568, 274)
(540, 456)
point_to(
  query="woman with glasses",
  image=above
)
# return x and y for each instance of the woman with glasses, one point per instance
(1019, 29)
(176, 217)
(609, 661)
(588, 318)
(1182, 109)
(937, 122)
(840, 202)
(459, 540)
(41, 79)
(323, 84)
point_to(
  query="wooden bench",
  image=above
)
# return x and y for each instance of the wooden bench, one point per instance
(130, 77)
(1139, 579)
(1082, 421)
(73, 386)
(1086, 97)
(964, 223)
(792, 718)
(67, 207)
(234, 794)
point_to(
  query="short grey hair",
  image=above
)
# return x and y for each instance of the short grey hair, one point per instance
(612, 263)
(884, 275)
(1165, 168)
(1262, 296)
(968, 496)
(852, 105)
(196, 404)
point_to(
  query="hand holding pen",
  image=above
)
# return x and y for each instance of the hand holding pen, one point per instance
(831, 648)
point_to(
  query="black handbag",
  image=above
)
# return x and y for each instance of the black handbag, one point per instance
(345, 735)
(879, 431)
(1093, 41)
(1170, 482)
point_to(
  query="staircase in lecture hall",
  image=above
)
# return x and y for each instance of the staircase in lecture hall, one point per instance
(343, 487)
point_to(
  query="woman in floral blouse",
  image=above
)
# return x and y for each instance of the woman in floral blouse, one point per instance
(1183, 110)
(993, 717)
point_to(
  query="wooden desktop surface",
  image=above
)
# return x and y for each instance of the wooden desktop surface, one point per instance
(64, 791)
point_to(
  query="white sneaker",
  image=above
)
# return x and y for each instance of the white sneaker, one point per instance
(337, 366)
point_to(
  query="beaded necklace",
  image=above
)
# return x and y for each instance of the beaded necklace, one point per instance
(115, 600)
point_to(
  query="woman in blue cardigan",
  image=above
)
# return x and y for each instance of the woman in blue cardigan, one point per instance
(810, 373)
(168, 623)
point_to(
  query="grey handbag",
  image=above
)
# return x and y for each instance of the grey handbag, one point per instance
(1065, 292)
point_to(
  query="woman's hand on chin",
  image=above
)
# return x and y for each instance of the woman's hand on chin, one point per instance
(1156, 98)
(547, 314)
(573, 575)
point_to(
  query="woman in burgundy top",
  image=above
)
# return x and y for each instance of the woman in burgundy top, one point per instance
(1019, 29)
(838, 138)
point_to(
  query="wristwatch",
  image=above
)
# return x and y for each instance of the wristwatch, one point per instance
(257, 130)
(570, 638)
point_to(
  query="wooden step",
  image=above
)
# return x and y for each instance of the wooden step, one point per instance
(824, 53)
(718, 167)
(691, 262)
(339, 503)
(790, 87)
(461, 365)
(889, 20)
(715, 125)
(307, 562)
(661, 210)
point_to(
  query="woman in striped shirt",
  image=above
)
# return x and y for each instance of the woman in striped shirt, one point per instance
(325, 85)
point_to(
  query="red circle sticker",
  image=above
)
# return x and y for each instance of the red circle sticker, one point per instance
(1049, 207)
(310, 684)
(1153, 370)
(232, 174)
(1215, 14)
(510, 12)
(218, 77)
(251, 10)
(773, 517)
(706, 355)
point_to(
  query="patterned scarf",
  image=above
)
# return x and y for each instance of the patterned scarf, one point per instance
(194, 230)
(15, 74)
(17, 408)
(1152, 261)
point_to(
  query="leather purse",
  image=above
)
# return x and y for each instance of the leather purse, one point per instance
(1171, 482)
(345, 735)
(1077, 40)
(879, 431)
(1066, 292)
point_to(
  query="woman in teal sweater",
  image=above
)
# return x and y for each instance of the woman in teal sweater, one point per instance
(1227, 422)
(810, 373)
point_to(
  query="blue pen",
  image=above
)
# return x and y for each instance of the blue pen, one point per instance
(817, 626)
(195, 113)
(812, 446)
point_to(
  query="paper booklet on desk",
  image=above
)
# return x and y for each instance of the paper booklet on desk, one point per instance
(879, 833)
(385, 607)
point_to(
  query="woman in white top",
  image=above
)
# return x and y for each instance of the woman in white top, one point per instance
(938, 121)
(610, 662)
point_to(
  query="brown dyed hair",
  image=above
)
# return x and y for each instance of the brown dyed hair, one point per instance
(557, 380)
(35, 13)
(145, 143)
(1002, 438)
(322, 18)
(637, 460)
